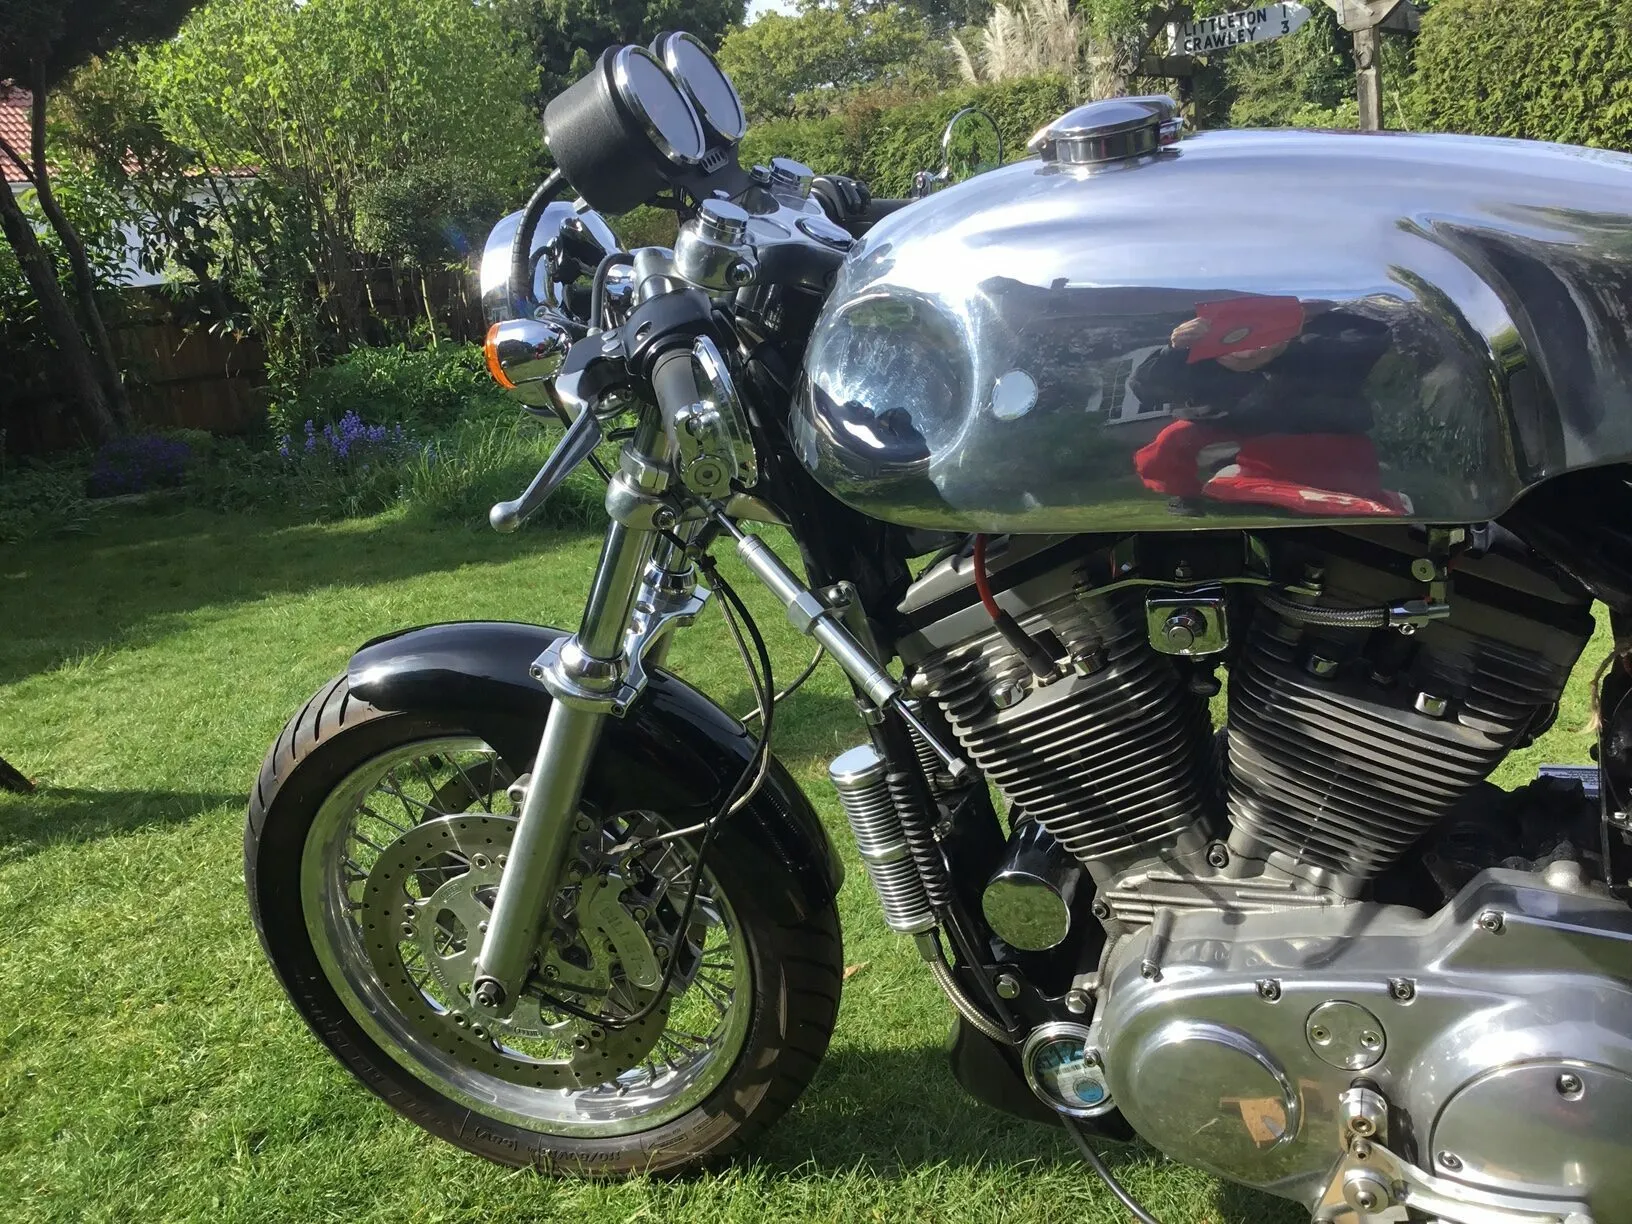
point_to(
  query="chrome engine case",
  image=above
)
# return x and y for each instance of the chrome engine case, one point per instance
(1499, 1030)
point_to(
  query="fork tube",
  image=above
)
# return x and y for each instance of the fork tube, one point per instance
(543, 832)
(592, 666)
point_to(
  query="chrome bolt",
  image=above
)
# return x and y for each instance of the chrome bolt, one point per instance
(638, 913)
(1218, 855)
(551, 972)
(1101, 910)
(459, 1019)
(408, 930)
(1402, 989)
(1321, 667)
(477, 1030)
(1009, 693)
(1424, 570)
(409, 911)
(1183, 628)
(1370, 1040)
(1007, 987)
(1428, 703)
(1269, 990)
(580, 1043)
(1449, 1160)
(481, 928)
(1570, 1085)
(1360, 1149)
(582, 824)
(1076, 1002)
(489, 994)
(1365, 1200)
(664, 518)
(1362, 1126)
(1150, 971)
(1491, 921)
(1320, 1034)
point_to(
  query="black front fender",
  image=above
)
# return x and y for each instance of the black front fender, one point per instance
(674, 750)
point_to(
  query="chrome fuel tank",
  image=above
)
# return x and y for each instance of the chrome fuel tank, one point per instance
(1248, 329)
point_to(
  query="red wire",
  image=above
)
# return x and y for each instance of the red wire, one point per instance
(981, 584)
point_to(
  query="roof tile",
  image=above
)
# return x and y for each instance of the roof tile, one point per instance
(14, 127)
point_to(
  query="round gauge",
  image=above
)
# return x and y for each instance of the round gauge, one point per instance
(705, 82)
(658, 103)
(1065, 1071)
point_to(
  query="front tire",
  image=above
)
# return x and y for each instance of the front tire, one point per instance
(509, 1103)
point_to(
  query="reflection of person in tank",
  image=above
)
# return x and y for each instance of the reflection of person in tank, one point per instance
(1284, 424)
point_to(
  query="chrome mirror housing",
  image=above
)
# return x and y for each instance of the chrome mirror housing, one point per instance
(561, 224)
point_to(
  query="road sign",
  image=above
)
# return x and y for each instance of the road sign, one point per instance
(1254, 25)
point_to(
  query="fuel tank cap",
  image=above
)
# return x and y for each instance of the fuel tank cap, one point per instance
(1109, 131)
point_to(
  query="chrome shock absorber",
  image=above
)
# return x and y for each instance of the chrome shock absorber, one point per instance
(860, 777)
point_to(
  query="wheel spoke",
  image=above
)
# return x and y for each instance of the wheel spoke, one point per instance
(448, 791)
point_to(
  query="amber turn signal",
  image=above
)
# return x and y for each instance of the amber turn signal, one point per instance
(491, 348)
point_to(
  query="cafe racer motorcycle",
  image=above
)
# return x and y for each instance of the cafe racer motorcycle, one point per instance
(1342, 422)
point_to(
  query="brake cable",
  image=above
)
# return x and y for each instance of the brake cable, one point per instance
(1096, 1162)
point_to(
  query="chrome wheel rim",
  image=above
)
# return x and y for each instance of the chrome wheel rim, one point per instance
(432, 818)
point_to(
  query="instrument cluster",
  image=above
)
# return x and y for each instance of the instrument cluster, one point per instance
(645, 119)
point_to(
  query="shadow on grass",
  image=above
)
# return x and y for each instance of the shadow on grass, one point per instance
(55, 815)
(892, 1112)
(62, 599)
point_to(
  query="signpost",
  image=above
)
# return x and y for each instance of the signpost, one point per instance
(1254, 25)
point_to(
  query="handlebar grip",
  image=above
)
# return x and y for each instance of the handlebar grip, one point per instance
(878, 209)
(674, 380)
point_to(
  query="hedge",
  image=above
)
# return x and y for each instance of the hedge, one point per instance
(886, 145)
(1541, 69)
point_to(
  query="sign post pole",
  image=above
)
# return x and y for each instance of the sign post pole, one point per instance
(1366, 20)
(1368, 81)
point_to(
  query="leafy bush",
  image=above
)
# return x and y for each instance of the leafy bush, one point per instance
(884, 142)
(1542, 69)
(138, 463)
(421, 389)
(489, 459)
(44, 501)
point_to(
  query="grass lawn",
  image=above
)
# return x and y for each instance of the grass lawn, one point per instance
(149, 1066)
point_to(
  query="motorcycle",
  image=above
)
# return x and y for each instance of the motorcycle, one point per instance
(1342, 419)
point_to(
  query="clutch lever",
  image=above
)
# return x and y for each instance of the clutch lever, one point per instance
(576, 445)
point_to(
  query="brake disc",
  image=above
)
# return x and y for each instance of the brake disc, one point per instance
(425, 906)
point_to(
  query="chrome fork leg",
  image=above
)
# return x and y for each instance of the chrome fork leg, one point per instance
(586, 674)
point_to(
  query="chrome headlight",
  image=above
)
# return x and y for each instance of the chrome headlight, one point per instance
(502, 300)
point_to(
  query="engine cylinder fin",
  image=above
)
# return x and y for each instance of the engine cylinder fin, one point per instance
(1342, 774)
(1109, 762)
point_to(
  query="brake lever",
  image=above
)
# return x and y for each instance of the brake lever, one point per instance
(576, 445)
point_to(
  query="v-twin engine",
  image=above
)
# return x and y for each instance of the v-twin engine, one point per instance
(1317, 922)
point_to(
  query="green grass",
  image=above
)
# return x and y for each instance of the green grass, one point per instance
(151, 1069)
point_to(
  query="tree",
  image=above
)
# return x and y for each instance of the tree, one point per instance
(783, 65)
(327, 99)
(565, 37)
(41, 42)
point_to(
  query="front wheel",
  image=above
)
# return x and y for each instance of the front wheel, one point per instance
(373, 851)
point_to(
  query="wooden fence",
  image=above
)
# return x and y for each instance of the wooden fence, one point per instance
(187, 378)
